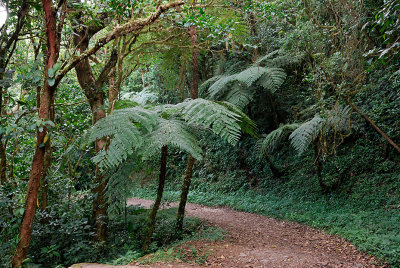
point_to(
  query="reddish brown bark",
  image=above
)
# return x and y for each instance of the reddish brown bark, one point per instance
(46, 101)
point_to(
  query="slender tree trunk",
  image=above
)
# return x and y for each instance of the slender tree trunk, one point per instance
(46, 101)
(99, 207)
(45, 183)
(194, 94)
(373, 124)
(3, 163)
(3, 149)
(274, 110)
(318, 165)
(160, 190)
(184, 194)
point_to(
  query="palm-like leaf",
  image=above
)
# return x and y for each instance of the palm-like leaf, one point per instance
(239, 88)
(271, 141)
(171, 132)
(302, 137)
(144, 131)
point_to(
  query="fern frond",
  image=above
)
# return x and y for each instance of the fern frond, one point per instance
(214, 116)
(250, 75)
(125, 129)
(339, 118)
(239, 95)
(171, 132)
(267, 57)
(277, 59)
(272, 79)
(246, 124)
(304, 135)
(219, 87)
(239, 88)
(270, 142)
(119, 186)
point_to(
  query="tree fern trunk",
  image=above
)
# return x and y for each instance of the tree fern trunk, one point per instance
(274, 110)
(157, 203)
(184, 193)
(194, 94)
(275, 171)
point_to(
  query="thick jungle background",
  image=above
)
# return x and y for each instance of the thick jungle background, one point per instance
(289, 109)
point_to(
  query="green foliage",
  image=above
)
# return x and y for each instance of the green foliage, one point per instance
(125, 128)
(306, 133)
(171, 132)
(144, 131)
(272, 140)
(239, 88)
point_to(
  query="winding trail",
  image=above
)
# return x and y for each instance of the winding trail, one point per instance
(258, 241)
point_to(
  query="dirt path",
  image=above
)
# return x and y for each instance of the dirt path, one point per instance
(258, 241)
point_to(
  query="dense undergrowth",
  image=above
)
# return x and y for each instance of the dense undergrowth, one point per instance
(68, 239)
(364, 209)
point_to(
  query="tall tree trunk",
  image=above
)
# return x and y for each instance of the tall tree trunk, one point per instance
(7, 48)
(93, 90)
(46, 101)
(194, 94)
(157, 203)
(46, 168)
(99, 206)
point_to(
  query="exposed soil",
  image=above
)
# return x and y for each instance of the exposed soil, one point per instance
(258, 241)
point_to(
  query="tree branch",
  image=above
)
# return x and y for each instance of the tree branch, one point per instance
(129, 27)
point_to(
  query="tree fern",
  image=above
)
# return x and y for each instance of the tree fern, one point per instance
(246, 124)
(171, 132)
(302, 137)
(250, 75)
(271, 141)
(143, 132)
(125, 129)
(337, 121)
(272, 79)
(240, 88)
(239, 95)
(278, 59)
(220, 86)
(213, 116)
